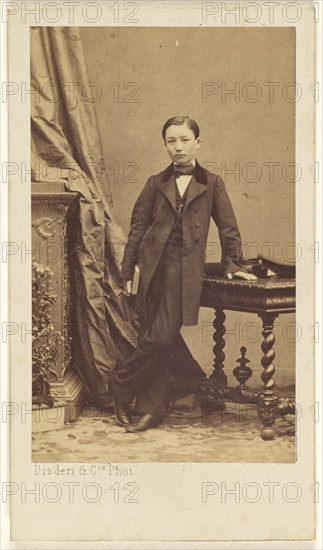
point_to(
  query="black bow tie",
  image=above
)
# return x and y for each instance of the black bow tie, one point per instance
(183, 170)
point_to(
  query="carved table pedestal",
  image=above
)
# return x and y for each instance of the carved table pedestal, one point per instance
(268, 298)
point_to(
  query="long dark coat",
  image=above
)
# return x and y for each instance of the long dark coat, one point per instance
(152, 221)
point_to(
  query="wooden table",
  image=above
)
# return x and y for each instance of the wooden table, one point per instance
(268, 298)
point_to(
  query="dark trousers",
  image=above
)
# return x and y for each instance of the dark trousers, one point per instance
(160, 347)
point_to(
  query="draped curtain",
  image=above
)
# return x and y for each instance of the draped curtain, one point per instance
(66, 148)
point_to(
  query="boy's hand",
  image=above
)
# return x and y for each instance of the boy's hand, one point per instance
(242, 275)
(127, 287)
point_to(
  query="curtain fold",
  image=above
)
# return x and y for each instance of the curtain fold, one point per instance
(66, 148)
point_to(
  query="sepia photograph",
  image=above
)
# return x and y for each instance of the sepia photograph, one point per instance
(161, 327)
(163, 216)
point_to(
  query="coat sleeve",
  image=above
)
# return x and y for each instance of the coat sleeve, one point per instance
(230, 239)
(141, 219)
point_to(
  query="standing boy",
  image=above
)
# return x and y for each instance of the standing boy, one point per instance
(168, 233)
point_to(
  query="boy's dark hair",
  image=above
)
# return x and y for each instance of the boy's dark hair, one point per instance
(179, 121)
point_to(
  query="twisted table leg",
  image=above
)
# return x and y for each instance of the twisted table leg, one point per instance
(218, 375)
(267, 401)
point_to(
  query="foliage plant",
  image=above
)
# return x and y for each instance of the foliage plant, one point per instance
(48, 344)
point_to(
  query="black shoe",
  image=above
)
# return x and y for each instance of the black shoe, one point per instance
(144, 423)
(121, 414)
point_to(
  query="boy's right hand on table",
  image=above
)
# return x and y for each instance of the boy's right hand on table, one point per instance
(127, 286)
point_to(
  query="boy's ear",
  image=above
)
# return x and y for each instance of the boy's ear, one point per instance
(198, 141)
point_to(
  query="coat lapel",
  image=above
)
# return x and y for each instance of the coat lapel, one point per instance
(196, 187)
(167, 186)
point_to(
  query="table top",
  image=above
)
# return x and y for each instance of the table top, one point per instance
(265, 284)
(271, 294)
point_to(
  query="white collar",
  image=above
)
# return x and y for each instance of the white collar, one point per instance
(192, 162)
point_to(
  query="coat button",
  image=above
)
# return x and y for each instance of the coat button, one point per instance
(197, 224)
(196, 209)
(197, 240)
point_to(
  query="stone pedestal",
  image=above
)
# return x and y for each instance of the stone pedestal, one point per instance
(52, 210)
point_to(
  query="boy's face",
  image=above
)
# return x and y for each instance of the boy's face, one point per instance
(181, 144)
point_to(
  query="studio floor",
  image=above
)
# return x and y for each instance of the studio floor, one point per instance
(232, 435)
